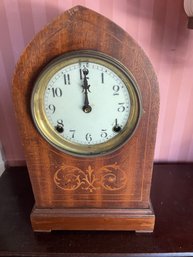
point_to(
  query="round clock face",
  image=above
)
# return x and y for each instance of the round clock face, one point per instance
(86, 103)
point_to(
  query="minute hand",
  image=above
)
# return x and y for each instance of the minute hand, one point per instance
(86, 108)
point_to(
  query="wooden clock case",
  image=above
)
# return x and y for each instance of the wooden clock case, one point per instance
(110, 192)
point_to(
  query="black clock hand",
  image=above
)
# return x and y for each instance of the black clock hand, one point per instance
(86, 108)
(86, 89)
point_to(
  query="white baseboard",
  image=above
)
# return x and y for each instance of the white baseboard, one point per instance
(2, 165)
(2, 160)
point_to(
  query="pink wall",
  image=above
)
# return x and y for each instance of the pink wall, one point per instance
(158, 26)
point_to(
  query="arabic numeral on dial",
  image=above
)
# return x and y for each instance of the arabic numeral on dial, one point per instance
(104, 133)
(60, 126)
(60, 122)
(121, 107)
(72, 132)
(88, 137)
(57, 92)
(116, 90)
(52, 108)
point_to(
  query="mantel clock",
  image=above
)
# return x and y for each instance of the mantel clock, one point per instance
(86, 100)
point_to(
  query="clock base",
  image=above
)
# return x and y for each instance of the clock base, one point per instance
(139, 220)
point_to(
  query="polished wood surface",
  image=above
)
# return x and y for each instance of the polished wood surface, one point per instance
(132, 162)
(92, 219)
(172, 198)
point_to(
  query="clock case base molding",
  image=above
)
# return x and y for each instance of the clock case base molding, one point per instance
(139, 220)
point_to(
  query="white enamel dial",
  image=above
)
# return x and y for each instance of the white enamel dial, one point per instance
(86, 103)
(108, 98)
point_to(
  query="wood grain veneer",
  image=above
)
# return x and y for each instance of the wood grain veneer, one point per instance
(76, 29)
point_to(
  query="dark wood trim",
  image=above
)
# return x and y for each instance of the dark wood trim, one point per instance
(139, 220)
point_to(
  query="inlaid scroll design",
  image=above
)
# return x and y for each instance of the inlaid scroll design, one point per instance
(109, 177)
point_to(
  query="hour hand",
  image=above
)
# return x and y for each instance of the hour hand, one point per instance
(86, 88)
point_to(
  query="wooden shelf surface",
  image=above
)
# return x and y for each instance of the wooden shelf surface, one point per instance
(172, 199)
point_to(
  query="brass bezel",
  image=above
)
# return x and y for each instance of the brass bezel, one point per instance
(48, 132)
